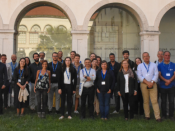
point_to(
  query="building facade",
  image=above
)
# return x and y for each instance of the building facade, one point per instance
(86, 26)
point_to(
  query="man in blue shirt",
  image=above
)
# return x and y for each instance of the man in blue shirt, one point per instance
(167, 83)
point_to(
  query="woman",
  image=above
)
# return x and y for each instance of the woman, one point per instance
(21, 78)
(27, 61)
(138, 97)
(104, 83)
(42, 88)
(98, 61)
(96, 102)
(68, 87)
(127, 87)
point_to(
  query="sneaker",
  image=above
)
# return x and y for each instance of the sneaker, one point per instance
(76, 112)
(39, 114)
(61, 117)
(66, 112)
(69, 117)
(21, 115)
(115, 112)
(43, 115)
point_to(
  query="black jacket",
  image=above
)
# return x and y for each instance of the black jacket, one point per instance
(109, 81)
(33, 68)
(73, 80)
(3, 74)
(116, 69)
(133, 84)
(131, 64)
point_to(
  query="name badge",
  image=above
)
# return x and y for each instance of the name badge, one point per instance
(103, 83)
(53, 75)
(147, 74)
(39, 83)
(19, 80)
(167, 74)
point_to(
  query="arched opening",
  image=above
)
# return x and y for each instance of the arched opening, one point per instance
(43, 22)
(112, 30)
(167, 36)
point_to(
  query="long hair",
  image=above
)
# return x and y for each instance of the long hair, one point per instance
(25, 68)
(135, 66)
(29, 61)
(100, 59)
(71, 68)
(122, 64)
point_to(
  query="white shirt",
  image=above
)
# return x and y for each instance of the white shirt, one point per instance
(66, 80)
(126, 83)
(9, 72)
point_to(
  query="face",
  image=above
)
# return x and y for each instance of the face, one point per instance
(13, 57)
(44, 65)
(112, 58)
(87, 63)
(67, 61)
(125, 64)
(146, 57)
(55, 57)
(22, 62)
(92, 56)
(60, 55)
(27, 61)
(160, 55)
(94, 63)
(98, 61)
(41, 55)
(3, 59)
(126, 56)
(138, 61)
(36, 57)
(104, 66)
(72, 55)
(76, 59)
(166, 56)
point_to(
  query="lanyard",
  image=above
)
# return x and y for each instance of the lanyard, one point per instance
(67, 74)
(168, 66)
(21, 73)
(146, 67)
(89, 72)
(111, 67)
(13, 68)
(78, 68)
(54, 69)
(42, 76)
(62, 61)
(160, 62)
(103, 76)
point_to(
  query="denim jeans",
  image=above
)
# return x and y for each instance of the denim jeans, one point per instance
(104, 99)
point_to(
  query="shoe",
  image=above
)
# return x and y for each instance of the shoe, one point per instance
(66, 112)
(17, 114)
(76, 112)
(49, 112)
(57, 112)
(106, 119)
(43, 115)
(61, 117)
(69, 117)
(39, 114)
(102, 118)
(147, 118)
(159, 120)
(21, 115)
(115, 112)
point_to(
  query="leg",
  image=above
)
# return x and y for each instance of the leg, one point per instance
(117, 99)
(38, 95)
(77, 96)
(91, 101)
(83, 102)
(171, 101)
(101, 101)
(1, 101)
(44, 100)
(131, 104)
(50, 98)
(106, 104)
(22, 110)
(32, 97)
(125, 104)
(6, 91)
(63, 95)
(69, 100)
(57, 96)
(140, 100)
(163, 101)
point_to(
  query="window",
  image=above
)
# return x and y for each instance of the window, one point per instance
(22, 34)
(34, 34)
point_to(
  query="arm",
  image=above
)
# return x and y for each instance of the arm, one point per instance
(156, 74)
(10, 74)
(5, 76)
(93, 77)
(112, 80)
(49, 81)
(82, 76)
(139, 74)
(118, 84)
(135, 82)
(37, 74)
(75, 79)
(60, 78)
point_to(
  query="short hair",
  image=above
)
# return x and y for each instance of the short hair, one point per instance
(42, 52)
(54, 53)
(166, 52)
(145, 52)
(87, 59)
(35, 54)
(3, 55)
(94, 59)
(73, 52)
(159, 51)
(77, 55)
(93, 54)
(104, 61)
(112, 54)
(44, 61)
(60, 51)
(125, 51)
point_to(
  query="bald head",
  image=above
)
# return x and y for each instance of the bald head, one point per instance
(13, 58)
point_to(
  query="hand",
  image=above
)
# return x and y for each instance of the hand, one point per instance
(27, 82)
(150, 85)
(59, 91)
(3, 86)
(135, 93)
(48, 90)
(88, 79)
(109, 91)
(167, 82)
(119, 93)
(98, 91)
(74, 92)
(34, 89)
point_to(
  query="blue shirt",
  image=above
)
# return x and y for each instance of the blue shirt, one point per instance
(167, 71)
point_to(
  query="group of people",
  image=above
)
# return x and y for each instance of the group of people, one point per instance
(95, 82)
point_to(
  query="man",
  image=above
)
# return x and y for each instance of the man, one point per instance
(55, 68)
(92, 56)
(3, 81)
(9, 78)
(13, 65)
(148, 75)
(33, 68)
(41, 56)
(115, 67)
(60, 55)
(167, 84)
(78, 66)
(126, 57)
(0, 57)
(87, 75)
(72, 55)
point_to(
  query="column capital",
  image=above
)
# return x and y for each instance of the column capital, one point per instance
(150, 33)
(80, 32)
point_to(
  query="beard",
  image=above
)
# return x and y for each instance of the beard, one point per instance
(36, 60)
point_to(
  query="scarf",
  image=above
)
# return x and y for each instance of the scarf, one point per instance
(128, 72)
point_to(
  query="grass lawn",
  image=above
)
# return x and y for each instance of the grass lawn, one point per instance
(30, 122)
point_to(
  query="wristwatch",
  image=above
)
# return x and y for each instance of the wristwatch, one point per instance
(152, 81)
(86, 77)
